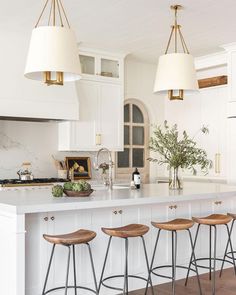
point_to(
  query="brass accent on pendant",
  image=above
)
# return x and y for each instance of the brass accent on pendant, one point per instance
(58, 81)
(176, 7)
(171, 95)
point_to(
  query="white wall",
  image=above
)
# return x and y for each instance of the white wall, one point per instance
(139, 81)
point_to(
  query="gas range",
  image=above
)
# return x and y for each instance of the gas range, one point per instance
(8, 183)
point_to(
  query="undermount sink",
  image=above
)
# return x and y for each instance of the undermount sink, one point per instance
(100, 187)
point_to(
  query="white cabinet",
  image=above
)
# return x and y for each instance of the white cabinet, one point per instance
(208, 108)
(101, 119)
(214, 116)
(38, 250)
(100, 66)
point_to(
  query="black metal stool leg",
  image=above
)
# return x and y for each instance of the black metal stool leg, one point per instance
(174, 256)
(191, 259)
(214, 265)
(210, 247)
(153, 257)
(231, 247)
(126, 287)
(229, 242)
(104, 264)
(74, 266)
(147, 263)
(48, 270)
(67, 270)
(194, 257)
(93, 268)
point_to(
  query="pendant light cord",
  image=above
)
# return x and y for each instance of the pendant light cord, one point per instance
(56, 5)
(175, 29)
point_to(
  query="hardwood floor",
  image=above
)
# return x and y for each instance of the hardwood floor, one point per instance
(226, 285)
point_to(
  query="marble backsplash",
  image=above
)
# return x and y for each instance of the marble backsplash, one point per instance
(36, 143)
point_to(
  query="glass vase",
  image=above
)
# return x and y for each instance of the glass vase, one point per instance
(175, 179)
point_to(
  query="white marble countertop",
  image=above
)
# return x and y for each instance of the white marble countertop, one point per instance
(41, 200)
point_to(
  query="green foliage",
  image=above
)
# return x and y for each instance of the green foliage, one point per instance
(178, 152)
(57, 191)
(81, 185)
(68, 186)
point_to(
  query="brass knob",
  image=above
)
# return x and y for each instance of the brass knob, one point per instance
(52, 218)
(45, 218)
(218, 202)
(115, 212)
(173, 207)
(120, 211)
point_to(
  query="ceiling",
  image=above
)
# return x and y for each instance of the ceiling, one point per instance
(138, 27)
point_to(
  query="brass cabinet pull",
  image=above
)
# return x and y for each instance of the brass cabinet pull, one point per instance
(45, 218)
(115, 212)
(98, 139)
(218, 202)
(173, 207)
(217, 163)
(52, 218)
(120, 211)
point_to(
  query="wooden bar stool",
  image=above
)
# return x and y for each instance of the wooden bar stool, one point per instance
(229, 254)
(173, 226)
(125, 232)
(212, 221)
(81, 236)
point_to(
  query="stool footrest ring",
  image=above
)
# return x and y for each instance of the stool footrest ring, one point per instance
(231, 253)
(120, 276)
(69, 287)
(168, 266)
(194, 262)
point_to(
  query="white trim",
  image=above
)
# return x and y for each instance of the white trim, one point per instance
(115, 54)
(211, 60)
(229, 46)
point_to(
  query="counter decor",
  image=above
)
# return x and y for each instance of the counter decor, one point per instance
(178, 152)
(73, 189)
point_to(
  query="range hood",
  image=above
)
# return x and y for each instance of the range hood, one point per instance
(23, 99)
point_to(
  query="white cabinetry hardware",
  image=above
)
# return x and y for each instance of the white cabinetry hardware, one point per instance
(173, 207)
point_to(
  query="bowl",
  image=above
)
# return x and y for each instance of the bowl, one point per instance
(70, 193)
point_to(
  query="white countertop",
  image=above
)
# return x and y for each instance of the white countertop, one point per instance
(41, 200)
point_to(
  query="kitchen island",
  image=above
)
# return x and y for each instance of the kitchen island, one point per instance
(26, 214)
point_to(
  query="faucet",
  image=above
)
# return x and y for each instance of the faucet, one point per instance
(108, 183)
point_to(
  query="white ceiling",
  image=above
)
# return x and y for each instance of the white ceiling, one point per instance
(139, 27)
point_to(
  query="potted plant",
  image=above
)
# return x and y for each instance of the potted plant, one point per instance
(178, 152)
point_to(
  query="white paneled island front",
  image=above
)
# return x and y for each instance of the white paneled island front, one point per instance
(25, 215)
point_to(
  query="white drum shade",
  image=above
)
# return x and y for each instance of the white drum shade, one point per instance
(53, 49)
(176, 71)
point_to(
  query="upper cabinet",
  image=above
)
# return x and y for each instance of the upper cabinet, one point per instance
(102, 67)
(101, 98)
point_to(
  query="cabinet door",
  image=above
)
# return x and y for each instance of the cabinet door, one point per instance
(111, 116)
(214, 116)
(182, 210)
(77, 136)
(37, 252)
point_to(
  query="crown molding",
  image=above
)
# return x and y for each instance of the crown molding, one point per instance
(211, 60)
(229, 47)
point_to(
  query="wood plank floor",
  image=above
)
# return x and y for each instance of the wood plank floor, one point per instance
(226, 285)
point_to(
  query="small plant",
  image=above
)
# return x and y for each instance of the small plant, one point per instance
(57, 191)
(178, 151)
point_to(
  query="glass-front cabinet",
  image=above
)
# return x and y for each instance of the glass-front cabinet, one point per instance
(98, 66)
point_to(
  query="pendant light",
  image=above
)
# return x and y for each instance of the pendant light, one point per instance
(53, 55)
(175, 71)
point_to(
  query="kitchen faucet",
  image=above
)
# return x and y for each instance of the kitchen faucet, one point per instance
(109, 182)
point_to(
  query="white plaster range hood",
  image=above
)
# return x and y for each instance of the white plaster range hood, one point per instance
(27, 100)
